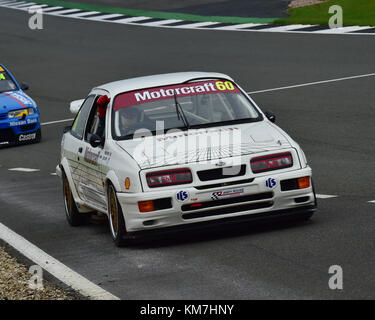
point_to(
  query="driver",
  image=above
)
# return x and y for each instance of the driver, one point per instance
(128, 119)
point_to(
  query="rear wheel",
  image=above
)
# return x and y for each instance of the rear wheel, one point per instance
(73, 216)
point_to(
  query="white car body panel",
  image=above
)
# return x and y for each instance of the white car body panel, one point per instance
(90, 171)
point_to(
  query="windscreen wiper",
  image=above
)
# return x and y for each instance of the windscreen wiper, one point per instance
(180, 112)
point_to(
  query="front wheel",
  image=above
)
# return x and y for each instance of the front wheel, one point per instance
(116, 219)
(73, 216)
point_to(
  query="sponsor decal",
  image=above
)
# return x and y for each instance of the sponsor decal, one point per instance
(182, 195)
(91, 157)
(270, 183)
(22, 122)
(196, 133)
(167, 92)
(26, 137)
(226, 193)
(2, 76)
(19, 97)
(2, 69)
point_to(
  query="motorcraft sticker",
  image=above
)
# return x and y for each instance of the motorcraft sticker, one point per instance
(226, 193)
(167, 92)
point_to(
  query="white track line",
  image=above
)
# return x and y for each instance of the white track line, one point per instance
(112, 15)
(51, 8)
(325, 196)
(342, 30)
(129, 20)
(54, 267)
(160, 23)
(372, 201)
(82, 14)
(288, 27)
(314, 83)
(240, 26)
(63, 11)
(57, 121)
(24, 169)
(197, 25)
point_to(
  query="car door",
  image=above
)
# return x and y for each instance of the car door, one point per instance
(92, 183)
(73, 146)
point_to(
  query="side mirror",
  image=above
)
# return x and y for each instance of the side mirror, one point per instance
(24, 86)
(95, 140)
(67, 129)
(76, 105)
(270, 116)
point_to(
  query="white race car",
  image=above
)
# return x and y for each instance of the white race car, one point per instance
(176, 151)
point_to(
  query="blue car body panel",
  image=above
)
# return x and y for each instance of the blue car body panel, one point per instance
(19, 129)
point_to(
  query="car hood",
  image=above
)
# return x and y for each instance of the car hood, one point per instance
(13, 100)
(207, 144)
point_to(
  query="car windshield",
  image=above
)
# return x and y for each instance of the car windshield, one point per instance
(190, 105)
(6, 82)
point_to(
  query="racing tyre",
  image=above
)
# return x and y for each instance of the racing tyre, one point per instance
(38, 136)
(74, 217)
(116, 219)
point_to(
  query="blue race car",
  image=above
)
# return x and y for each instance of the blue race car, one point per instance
(19, 114)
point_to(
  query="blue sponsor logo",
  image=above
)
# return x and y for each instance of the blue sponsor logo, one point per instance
(182, 195)
(270, 183)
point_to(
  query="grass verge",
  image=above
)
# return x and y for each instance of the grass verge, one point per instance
(355, 13)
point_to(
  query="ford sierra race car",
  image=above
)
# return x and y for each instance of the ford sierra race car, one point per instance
(179, 150)
(19, 114)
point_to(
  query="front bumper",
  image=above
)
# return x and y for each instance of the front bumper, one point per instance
(248, 199)
(13, 131)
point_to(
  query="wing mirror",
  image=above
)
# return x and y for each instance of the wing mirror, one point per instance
(95, 140)
(270, 116)
(76, 105)
(67, 129)
(24, 86)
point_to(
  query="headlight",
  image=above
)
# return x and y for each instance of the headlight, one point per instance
(169, 177)
(271, 162)
(20, 113)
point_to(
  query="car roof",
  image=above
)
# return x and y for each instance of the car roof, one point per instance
(157, 80)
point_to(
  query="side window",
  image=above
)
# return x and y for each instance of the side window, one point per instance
(79, 123)
(93, 124)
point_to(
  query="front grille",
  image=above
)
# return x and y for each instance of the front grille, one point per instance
(221, 173)
(3, 116)
(223, 184)
(28, 127)
(220, 211)
(7, 135)
(222, 202)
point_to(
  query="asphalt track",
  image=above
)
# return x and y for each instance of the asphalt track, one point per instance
(333, 123)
